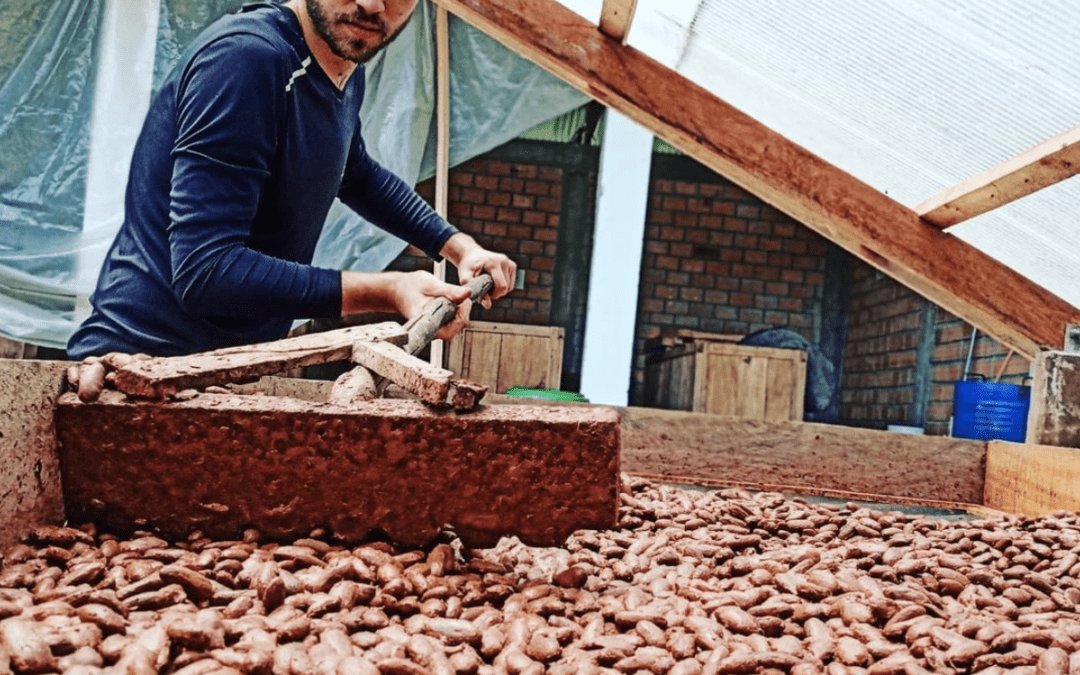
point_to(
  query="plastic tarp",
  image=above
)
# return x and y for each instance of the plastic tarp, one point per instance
(59, 206)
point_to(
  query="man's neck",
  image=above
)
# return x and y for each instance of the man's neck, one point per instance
(335, 67)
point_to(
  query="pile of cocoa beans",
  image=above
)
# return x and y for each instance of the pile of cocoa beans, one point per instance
(693, 582)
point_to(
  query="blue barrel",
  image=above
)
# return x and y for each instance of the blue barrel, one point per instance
(987, 411)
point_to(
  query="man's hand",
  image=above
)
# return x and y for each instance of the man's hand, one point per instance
(405, 293)
(471, 260)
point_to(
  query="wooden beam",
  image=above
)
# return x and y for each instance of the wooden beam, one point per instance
(442, 143)
(1043, 165)
(30, 489)
(167, 375)
(1033, 480)
(616, 17)
(877, 229)
(803, 457)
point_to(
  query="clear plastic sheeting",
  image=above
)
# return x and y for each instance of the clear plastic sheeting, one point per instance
(53, 233)
(47, 56)
(495, 96)
(909, 96)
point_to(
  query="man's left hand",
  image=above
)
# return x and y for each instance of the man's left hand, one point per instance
(472, 260)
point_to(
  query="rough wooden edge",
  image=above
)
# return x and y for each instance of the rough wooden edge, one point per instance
(164, 376)
(30, 490)
(1030, 479)
(1040, 166)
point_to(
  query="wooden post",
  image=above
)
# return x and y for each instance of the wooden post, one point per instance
(442, 147)
(1054, 417)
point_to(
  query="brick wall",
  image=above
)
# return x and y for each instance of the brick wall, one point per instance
(718, 260)
(888, 325)
(990, 361)
(881, 355)
(512, 208)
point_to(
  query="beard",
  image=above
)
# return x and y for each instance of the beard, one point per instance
(334, 32)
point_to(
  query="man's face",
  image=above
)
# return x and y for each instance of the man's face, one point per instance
(356, 31)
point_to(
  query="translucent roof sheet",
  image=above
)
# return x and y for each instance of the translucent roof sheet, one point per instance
(909, 96)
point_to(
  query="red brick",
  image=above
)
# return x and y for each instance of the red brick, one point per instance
(718, 268)
(463, 178)
(681, 250)
(756, 257)
(534, 218)
(458, 210)
(486, 182)
(525, 170)
(508, 215)
(741, 299)
(495, 229)
(675, 204)
(550, 174)
(522, 201)
(685, 219)
(512, 185)
(549, 204)
(499, 198)
(535, 187)
(686, 188)
(667, 262)
(483, 212)
(693, 265)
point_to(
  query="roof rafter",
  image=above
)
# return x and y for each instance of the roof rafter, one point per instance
(1043, 165)
(616, 17)
(877, 229)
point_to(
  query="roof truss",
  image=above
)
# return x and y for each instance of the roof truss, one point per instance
(1043, 165)
(616, 17)
(877, 229)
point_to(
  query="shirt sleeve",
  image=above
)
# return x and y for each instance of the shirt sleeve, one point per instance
(229, 115)
(388, 202)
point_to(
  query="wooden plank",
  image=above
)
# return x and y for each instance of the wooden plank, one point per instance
(753, 386)
(1043, 165)
(30, 491)
(515, 328)
(780, 390)
(484, 359)
(519, 368)
(872, 226)
(616, 17)
(442, 143)
(1031, 479)
(801, 455)
(724, 389)
(1054, 416)
(165, 376)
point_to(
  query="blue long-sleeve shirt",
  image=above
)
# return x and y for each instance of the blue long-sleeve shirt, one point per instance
(239, 160)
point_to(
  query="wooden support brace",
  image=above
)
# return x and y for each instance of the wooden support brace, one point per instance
(430, 383)
(165, 376)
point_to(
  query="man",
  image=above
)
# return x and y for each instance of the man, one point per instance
(243, 150)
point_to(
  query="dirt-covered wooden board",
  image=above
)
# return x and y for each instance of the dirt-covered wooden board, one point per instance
(29, 468)
(1032, 480)
(790, 453)
(160, 377)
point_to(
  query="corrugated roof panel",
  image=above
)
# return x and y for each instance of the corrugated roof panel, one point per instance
(910, 96)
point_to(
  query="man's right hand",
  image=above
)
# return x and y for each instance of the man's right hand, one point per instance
(405, 293)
